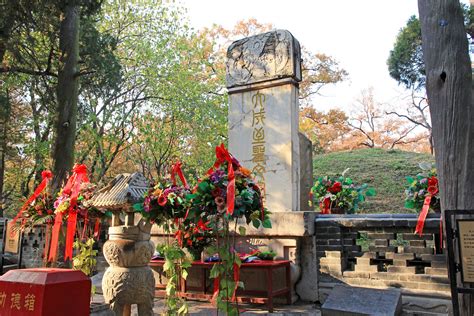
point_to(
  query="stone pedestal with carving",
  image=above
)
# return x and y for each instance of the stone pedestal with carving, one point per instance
(129, 280)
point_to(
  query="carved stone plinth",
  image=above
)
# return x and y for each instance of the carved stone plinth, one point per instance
(129, 280)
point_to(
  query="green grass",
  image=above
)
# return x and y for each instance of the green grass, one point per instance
(384, 170)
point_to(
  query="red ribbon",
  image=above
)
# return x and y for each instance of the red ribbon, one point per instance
(58, 221)
(72, 189)
(71, 231)
(424, 212)
(84, 229)
(46, 176)
(236, 280)
(79, 176)
(97, 229)
(222, 155)
(325, 206)
(432, 191)
(176, 170)
(179, 237)
(216, 290)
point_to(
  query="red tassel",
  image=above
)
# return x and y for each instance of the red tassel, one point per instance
(421, 219)
(58, 221)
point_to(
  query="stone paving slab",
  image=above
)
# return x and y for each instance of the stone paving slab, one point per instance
(197, 308)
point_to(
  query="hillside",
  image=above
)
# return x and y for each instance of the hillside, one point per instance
(384, 170)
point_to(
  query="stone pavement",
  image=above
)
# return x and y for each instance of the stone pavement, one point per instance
(197, 308)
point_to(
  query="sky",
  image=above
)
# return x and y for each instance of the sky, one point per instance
(358, 34)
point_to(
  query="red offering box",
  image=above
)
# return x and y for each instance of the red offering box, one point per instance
(45, 292)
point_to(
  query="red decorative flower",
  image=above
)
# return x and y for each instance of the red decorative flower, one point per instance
(433, 181)
(336, 187)
(162, 200)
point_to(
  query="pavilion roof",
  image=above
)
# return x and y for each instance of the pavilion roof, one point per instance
(124, 190)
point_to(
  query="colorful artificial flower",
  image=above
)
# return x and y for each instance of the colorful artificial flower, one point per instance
(340, 192)
(419, 187)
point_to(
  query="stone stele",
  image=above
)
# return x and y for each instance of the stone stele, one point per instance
(262, 79)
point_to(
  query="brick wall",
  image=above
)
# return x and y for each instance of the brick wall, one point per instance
(380, 251)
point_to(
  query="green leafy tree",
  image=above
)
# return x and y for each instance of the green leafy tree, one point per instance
(405, 62)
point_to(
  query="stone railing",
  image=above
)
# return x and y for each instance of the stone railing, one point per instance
(380, 251)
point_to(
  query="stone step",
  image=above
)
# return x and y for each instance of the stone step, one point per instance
(418, 250)
(366, 268)
(435, 271)
(417, 237)
(432, 257)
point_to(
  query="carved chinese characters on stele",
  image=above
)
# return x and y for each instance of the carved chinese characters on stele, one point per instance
(263, 113)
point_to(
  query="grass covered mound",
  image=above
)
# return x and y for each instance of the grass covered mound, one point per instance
(384, 170)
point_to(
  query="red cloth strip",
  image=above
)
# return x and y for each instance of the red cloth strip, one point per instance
(216, 291)
(71, 231)
(236, 280)
(325, 206)
(84, 229)
(97, 229)
(58, 221)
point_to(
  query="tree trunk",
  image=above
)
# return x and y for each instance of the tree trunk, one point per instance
(4, 118)
(448, 85)
(8, 19)
(67, 93)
